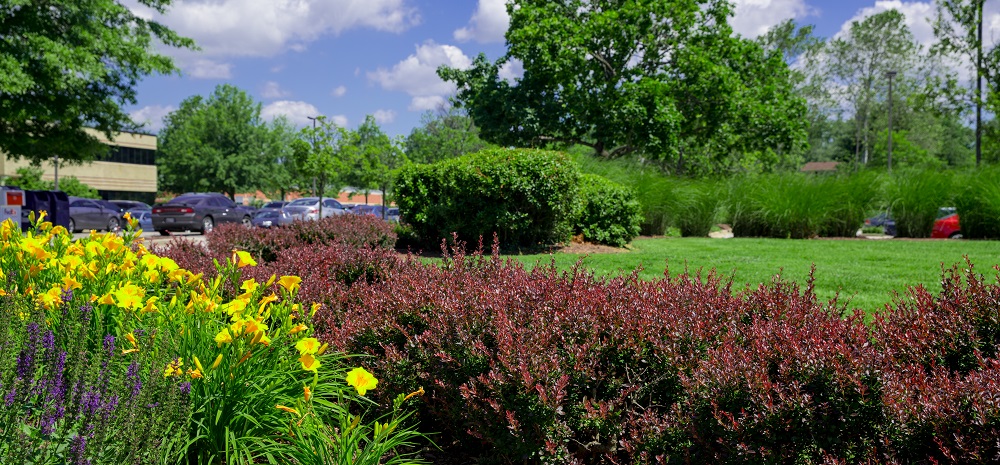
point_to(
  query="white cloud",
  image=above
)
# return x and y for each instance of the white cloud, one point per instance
(297, 112)
(206, 69)
(430, 102)
(273, 90)
(512, 70)
(151, 116)
(417, 74)
(918, 18)
(754, 17)
(268, 27)
(338, 91)
(488, 24)
(384, 116)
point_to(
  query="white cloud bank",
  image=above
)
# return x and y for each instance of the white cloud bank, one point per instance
(488, 24)
(151, 116)
(417, 75)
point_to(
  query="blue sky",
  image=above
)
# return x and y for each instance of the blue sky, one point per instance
(349, 58)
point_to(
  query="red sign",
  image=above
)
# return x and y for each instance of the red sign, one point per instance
(15, 198)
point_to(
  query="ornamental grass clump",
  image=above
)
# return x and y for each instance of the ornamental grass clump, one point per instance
(237, 353)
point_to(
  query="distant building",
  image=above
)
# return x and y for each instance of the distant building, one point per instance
(128, 172)
(820, 167)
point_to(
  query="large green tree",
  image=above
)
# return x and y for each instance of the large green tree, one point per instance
(70, 64)
(857, 66)
(376, 157)
(447, 133)
(219, 144)
(323, 154)
(667, 79)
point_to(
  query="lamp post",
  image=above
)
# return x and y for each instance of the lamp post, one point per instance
(319, 215)
(55, 162)
(890, 75)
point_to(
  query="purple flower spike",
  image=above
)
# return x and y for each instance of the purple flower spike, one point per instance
(49, 340)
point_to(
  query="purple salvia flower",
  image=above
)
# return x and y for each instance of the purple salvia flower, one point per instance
(78, 450)
(49, 340)
(132, 374)
(109, 345)
(110, 406)
(9, 398)
(85, 311)
(67, 295)
(185, 388)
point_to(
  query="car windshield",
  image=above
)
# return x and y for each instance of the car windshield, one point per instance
(302, 202)
(274, 205)
(267, 214)
(183, 199)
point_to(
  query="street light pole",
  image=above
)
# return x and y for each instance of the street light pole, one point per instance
(890, 75)
(55, 161)
(319, 215)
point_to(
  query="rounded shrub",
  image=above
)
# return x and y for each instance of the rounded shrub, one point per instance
(525, 196)
(609, 212)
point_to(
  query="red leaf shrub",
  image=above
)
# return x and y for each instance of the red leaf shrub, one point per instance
(563, 367)
(266, 244)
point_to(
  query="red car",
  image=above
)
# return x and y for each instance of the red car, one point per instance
(946, 225)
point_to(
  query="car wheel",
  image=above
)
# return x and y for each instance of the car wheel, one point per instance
(246, 222)
(113, 225)
(72, 225)
(955, 235)
(164, 232)
(207, 225)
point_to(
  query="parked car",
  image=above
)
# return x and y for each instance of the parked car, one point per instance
(198, 212)
(144, 217)
(885, 221)
(374, 210)
(392, 214)
(126, 205)
(307, 208)
(271, 218)
(93, 214)
(946, 225)
(276, 205)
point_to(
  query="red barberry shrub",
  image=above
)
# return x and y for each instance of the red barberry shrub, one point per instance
(266, 244)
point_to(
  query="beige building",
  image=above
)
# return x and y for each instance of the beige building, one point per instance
(127, 172)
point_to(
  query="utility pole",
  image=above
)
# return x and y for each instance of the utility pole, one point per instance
(319, 215)
(979, 82)
(890, 75)
(55, 162)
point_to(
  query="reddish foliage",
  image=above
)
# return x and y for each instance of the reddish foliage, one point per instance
(549, 366)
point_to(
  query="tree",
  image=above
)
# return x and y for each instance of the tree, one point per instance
(217, 144)
(67, 64)
(281, 136)
(857, 65)
(959, 29)
(448, 133)
(30, 178)
(377, 156)
(322, 152)
(667, 79)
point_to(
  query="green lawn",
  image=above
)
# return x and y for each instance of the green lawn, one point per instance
(867, 271)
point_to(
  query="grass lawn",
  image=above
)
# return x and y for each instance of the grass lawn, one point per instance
(866, 271)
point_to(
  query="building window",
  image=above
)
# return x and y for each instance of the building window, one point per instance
(130, 155)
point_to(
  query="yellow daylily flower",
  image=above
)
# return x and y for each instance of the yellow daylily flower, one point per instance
(51, 299)
(307, 345)
(131, 339)
(70, 283)
(217, 361)
(290, 283)
(297, 328)
(307, 393)
(174, 368)
(309, 363)
(195, 374)
(249, 285)
(361, 380)
(243, 259)
(223, 337)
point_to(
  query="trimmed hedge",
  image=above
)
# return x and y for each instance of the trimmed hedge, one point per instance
(609, 212)
(524, 196)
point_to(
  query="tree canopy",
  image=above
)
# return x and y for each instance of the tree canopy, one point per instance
(664, 78)
(447, 133)
(70, 64)
(219, 144)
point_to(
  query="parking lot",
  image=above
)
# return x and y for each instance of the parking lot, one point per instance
(154, 238)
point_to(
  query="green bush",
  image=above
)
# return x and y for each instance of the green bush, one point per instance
(850, 198)
(609, 212)
(524, 196)
(915, 197)
(978, 205)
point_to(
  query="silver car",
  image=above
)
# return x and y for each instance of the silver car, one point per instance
(307, 208)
